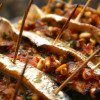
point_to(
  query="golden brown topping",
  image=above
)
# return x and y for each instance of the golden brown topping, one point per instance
(58, 5)
(51, 61)
(41, 64)
(92, 41)
(85, 35)
(61, 67)
(87, 14)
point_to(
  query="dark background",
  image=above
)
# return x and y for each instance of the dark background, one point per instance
(14, 8)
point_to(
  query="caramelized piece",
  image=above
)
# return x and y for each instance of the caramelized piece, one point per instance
(41, 64)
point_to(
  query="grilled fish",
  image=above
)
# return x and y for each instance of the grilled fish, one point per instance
(76, 25)
(59, 48)
(73, 24)
(35, 79)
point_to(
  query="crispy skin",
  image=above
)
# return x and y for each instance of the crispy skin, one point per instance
(46, 42)
(59, 48)
(33, 78)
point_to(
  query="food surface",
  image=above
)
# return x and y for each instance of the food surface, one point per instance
(51, 63)
(39, 80)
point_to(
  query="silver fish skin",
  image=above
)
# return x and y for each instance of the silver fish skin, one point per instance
(59, 48)
(35, 79)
